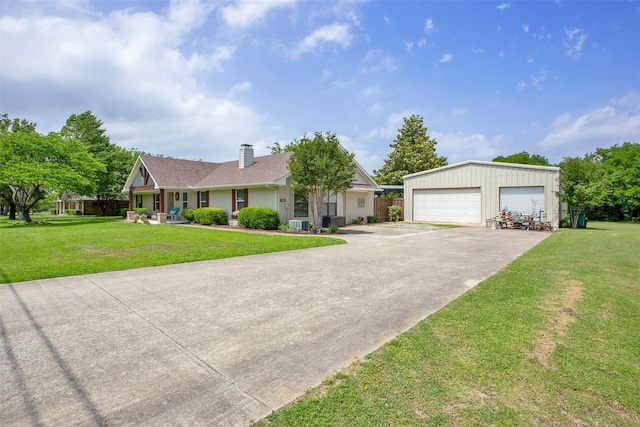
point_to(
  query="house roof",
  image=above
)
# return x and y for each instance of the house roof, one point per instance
(483, 163)
(177, 173)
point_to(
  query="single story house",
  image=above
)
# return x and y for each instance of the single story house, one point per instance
(161, 184)
(474, 191)
(86, 205)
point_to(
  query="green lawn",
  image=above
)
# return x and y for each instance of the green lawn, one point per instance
(70, 245)
(553, 339)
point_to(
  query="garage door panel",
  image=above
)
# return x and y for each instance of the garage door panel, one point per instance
(447, 205)
(524, 200)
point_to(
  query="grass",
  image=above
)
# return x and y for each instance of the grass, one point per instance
(553, 339)
(70, 245)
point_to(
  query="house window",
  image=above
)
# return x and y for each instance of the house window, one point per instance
(300, 205)
(185, 205)
(138, 201)
(330, 206)
(157, 202)
(239, 199)
(203, 199)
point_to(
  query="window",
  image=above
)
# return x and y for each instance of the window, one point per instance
(203, 199)
(138, 201)
(157, 202)
(239, 199)
(300, 206)
(185, 205)
(330, 206)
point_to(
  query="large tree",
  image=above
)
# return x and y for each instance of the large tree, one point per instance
(582, 184)
(320, 168)
(621, 167)
(89, 130)
(15, 125)
(413, 151)
(524, 158)
(31, 165)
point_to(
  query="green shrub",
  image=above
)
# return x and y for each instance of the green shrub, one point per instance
(210, 216)
(394, 213)
(71, 212)
(565, 222)
(284, 227)
(123, 212)
(259, 218)
(188, 214)
(141, 211)
(372, 219)
(333, 229)
(355, 221)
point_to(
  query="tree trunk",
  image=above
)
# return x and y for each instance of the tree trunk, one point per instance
(12, 211)
(23, 214)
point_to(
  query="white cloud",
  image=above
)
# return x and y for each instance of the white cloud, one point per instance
(503, 6)
(459, 146)
(409, 46)
(246, 13)
(447, 57)
(334, 34)
(574, 42)
(429, 27)
(376, 60)
(521, 85)
(128, 68)
(422, 43)
(530, 60)
(537, 81)
(602, 127)
(525, 28)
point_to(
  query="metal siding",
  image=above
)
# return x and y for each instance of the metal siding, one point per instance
(489, 178)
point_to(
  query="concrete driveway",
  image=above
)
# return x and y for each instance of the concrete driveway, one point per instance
(226, 342)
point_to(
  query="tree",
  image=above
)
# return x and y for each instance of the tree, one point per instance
(321, 168)
(15, 125)
(413, 151)
(524, 158)
(31, 165)
(581, 184)
(621, 167)
(277, 148)
(88, 129)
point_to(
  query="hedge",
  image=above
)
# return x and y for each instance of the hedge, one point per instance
(259, 218)
(210, 216)
(188, 214)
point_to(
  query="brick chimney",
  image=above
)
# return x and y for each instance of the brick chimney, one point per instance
(246, 156)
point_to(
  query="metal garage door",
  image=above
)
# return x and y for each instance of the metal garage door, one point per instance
(447, 205)
(524, 200)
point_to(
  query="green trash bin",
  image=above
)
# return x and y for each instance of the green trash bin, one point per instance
(582, 220)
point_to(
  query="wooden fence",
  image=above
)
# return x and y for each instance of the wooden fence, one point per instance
(381, 208)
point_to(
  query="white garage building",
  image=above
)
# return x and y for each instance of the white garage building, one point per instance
(474, 191)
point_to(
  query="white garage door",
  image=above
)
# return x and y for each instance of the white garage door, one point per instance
(447, 205)
(524, 200)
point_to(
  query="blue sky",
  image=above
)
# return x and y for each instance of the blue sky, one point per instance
(195, 79)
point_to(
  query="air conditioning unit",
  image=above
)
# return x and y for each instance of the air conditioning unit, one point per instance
(298, 224)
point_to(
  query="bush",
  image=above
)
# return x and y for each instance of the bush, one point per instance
(565, 222)
(394, 213)
(210, 216)
(259, 218)
(53, 211)
(333, 229)
(71, 212)
(372, 219)
(188, 214)
(141, 211)
(123, 212)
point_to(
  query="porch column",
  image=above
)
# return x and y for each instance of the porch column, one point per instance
(130, 199)
(162, 207)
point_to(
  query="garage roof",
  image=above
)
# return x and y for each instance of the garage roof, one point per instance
(484, 163)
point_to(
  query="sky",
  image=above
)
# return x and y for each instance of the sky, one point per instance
(196, 79)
